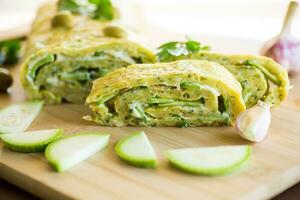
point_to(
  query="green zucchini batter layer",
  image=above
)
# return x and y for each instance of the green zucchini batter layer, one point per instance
(61, 62)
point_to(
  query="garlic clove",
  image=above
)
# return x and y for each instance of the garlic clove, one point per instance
(254, 123)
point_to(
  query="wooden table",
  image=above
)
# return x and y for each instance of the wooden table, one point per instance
(275, 165)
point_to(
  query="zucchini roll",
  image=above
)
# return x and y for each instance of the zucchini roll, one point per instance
(260, 77)
(182, 93)
(68, 49)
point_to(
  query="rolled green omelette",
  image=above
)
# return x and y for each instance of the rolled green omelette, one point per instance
(261, 78)
(182, 93)
(66, 51)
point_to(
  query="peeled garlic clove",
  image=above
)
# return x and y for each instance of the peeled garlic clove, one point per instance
(254, 123)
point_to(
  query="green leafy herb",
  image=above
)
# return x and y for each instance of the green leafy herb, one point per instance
(169, 51)
(83, 7)
(104, 9)
(9, 51)
(97, 9)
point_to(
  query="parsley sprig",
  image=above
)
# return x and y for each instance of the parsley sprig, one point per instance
(104, 9)
(96, 9)
(169, 51)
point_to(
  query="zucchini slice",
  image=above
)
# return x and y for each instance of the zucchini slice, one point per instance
(210, 160)
(136, 150)
(17, 118)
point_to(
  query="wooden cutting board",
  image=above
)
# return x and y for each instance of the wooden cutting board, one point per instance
(274, 166)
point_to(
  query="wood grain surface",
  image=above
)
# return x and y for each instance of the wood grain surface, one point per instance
(274, 166)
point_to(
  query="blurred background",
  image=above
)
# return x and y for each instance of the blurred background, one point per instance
(228, 26)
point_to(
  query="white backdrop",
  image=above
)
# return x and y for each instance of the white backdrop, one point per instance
(231, 21)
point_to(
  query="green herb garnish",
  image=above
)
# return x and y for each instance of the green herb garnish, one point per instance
(76, 6)
(9, 51)
(169, 51)
(104, 9)
(96, 9)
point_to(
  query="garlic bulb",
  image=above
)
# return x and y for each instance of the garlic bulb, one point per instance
(254, 123)
(286, 51)
(285, 48)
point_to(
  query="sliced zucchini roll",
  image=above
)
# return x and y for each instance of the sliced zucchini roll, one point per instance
(67, 50)
(260, 77)
(182, 93)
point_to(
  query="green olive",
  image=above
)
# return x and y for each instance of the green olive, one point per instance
(63, 19)
(115, 31)
(6, 79)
